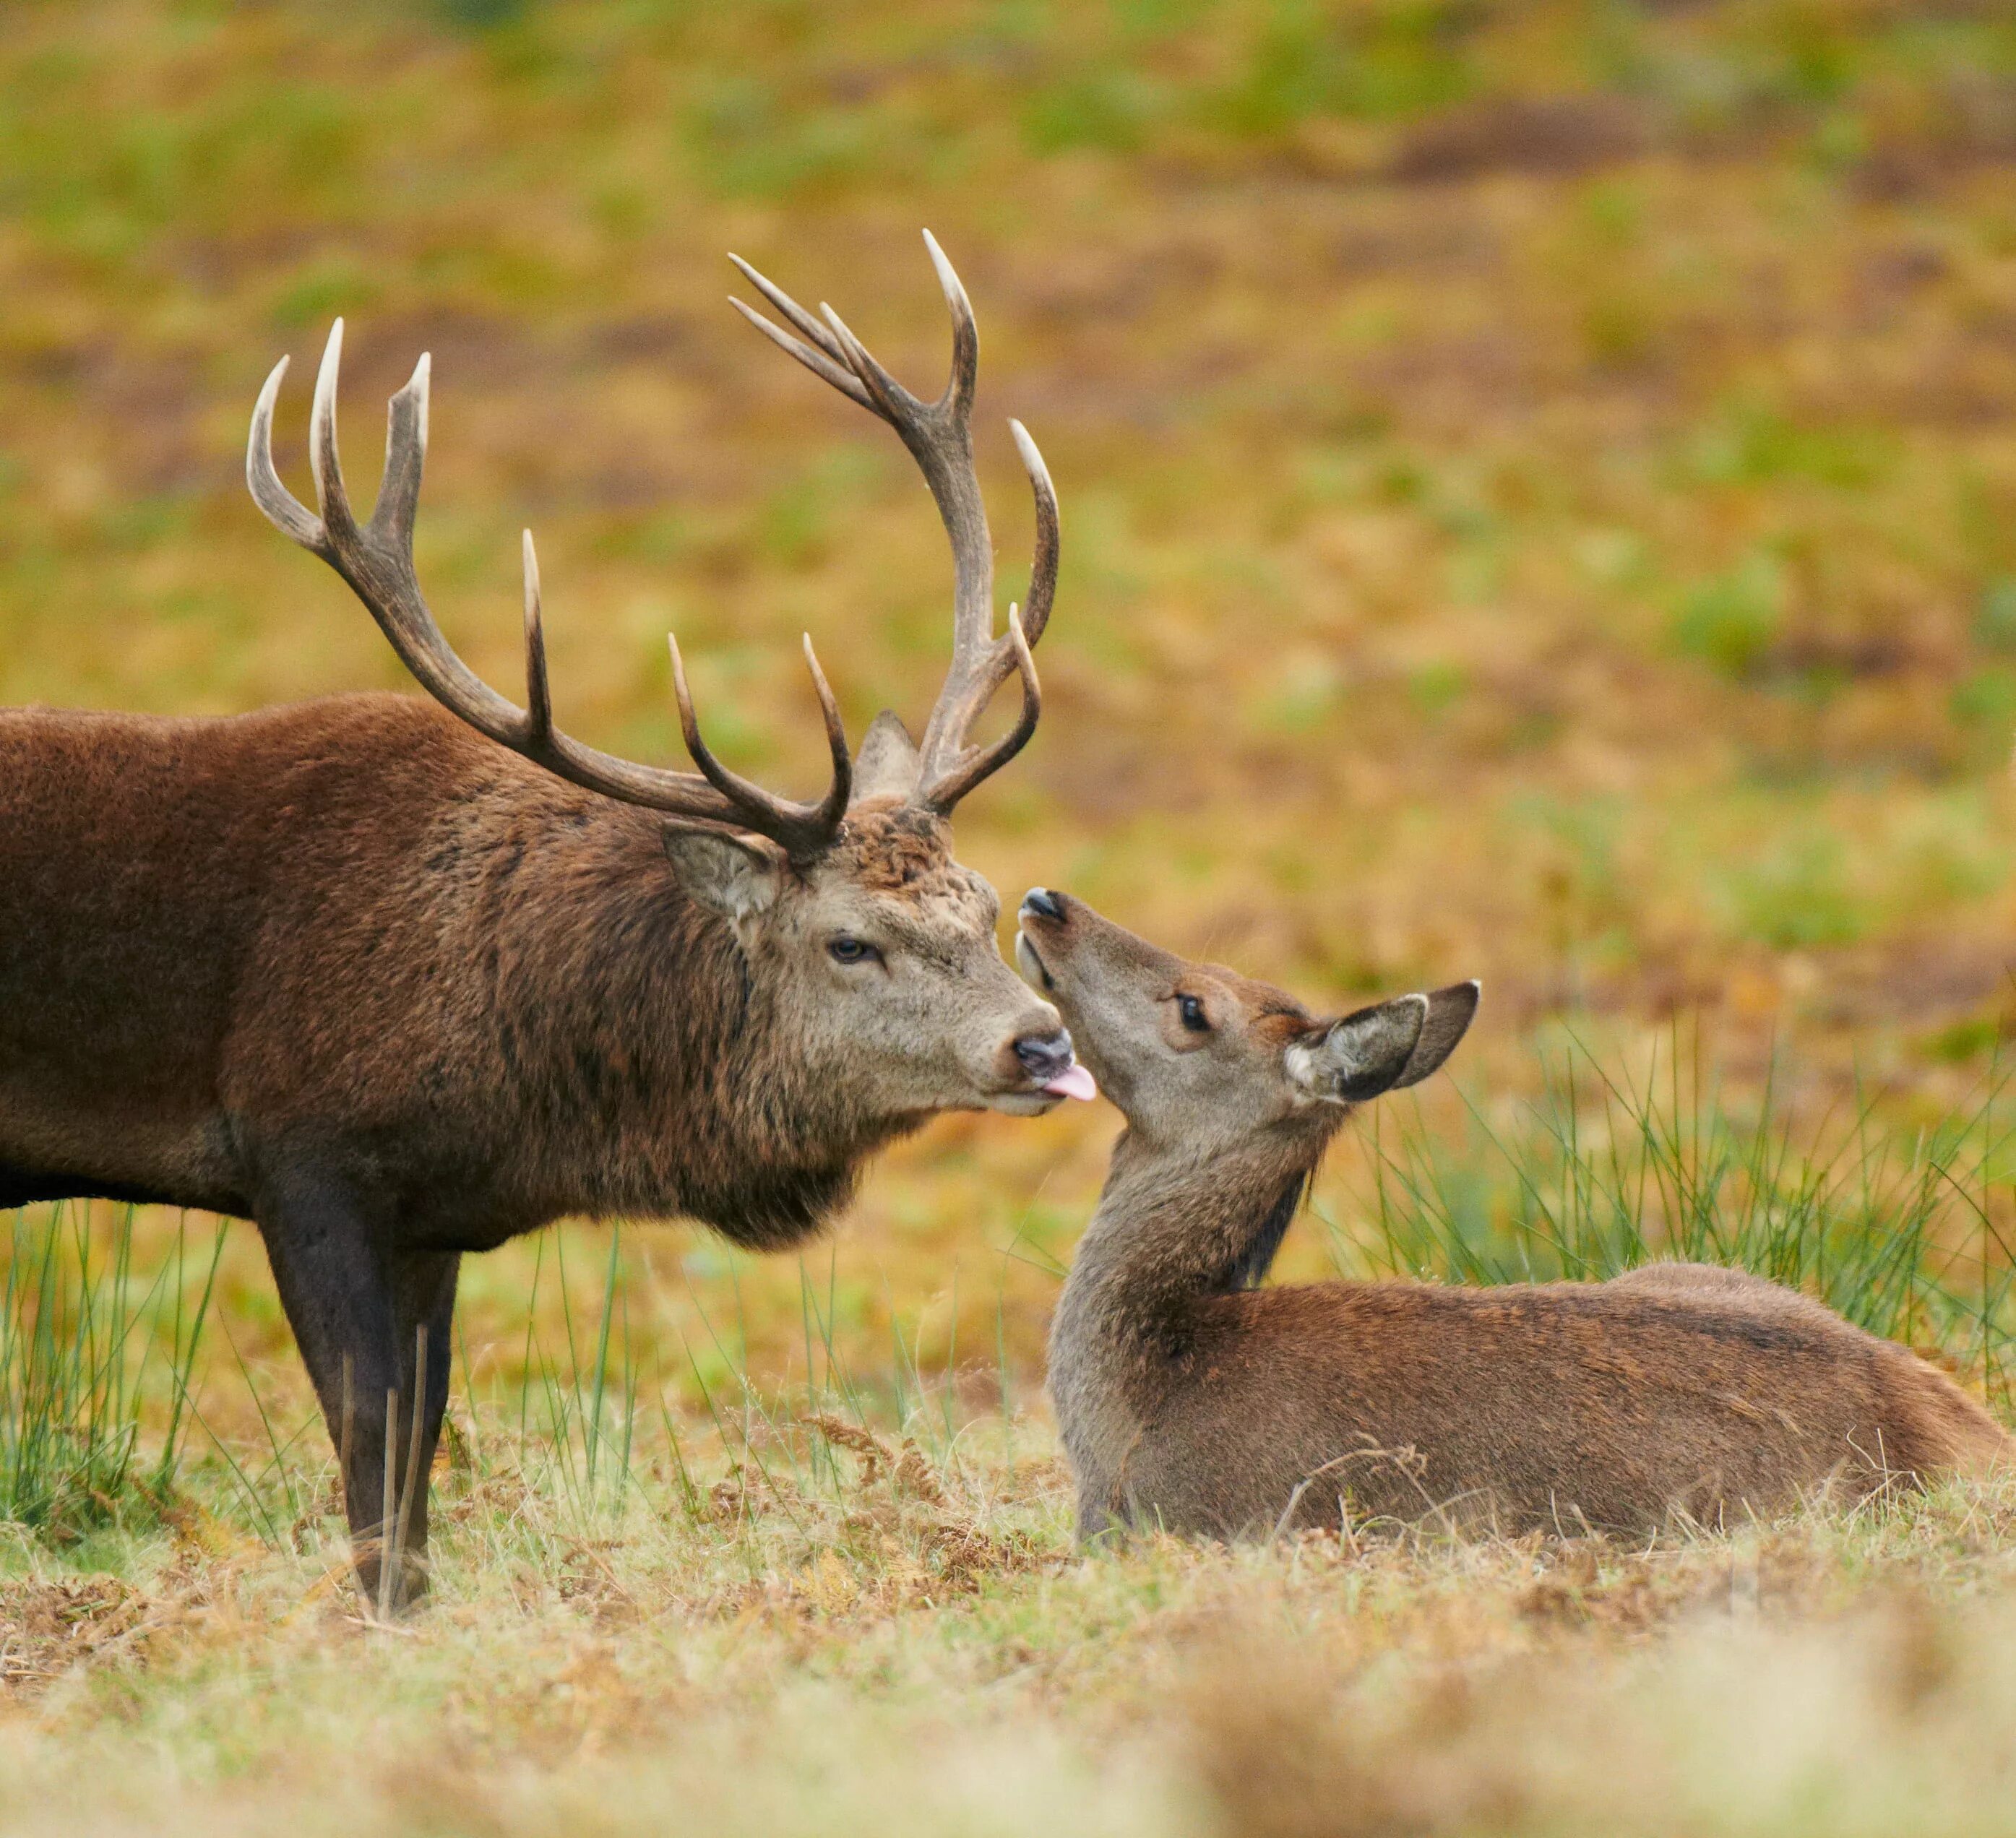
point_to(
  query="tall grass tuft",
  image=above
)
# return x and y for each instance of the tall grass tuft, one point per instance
(1905, 1233)
(92, 1356)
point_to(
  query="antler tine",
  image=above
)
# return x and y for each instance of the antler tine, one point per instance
(947, 779)
(816, 361)
(376, 559)
(951, 768)
(805, 321)
(282, 510)
(538, 692)
(842, 787)
(942, 792)
(331, 500)
(822, 356)
(893, 402)
(802, 828)
(957, 398)
(405, 458)
(1043, 564)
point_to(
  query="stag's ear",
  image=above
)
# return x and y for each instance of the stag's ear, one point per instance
(735, 874)
(889, 764)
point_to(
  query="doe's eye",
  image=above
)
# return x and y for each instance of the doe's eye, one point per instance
(1191, 1009)
(846, 950)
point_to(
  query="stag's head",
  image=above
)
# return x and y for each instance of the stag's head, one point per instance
(872, 945)
(879, 959)
(1198, 1055)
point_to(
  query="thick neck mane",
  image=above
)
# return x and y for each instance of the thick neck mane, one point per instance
(651, 1074)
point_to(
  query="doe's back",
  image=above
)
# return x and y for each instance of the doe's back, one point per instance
(1676, 1390)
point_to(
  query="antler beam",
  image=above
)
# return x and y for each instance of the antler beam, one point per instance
(939, 436)
(376, 559)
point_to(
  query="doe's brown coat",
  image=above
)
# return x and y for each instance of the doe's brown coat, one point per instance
(1191, 1399)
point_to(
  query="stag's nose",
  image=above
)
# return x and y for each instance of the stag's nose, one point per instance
(1043, 903)
(1044, 1056)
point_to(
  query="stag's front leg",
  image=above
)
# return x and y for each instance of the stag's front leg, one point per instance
(423, 1305)
(362, 1315)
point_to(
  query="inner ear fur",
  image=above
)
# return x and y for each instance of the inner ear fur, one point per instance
(731, 872)
(1364, 1053)
(1384, 1048)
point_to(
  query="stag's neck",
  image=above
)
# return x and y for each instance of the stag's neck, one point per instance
(662, 1076)
(1173, 1229)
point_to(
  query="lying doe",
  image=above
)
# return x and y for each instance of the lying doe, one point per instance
(1188, 1398)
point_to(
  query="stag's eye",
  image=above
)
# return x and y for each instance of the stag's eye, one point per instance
(846, 950)
(1191, 1009)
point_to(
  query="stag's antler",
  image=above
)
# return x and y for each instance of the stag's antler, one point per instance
(376, 559)
(940, 438)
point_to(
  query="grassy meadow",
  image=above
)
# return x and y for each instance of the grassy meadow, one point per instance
(1539, 488)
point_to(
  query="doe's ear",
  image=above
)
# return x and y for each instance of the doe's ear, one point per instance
(1384, 1048)
(1361, 1056)
(1450, 1013)
(734, 875)
(889, 764)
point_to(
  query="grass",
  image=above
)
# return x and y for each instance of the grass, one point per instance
(1907, 1238)
(87, 1345)
(849, 1600)
(913, 1646)
(1538, 494)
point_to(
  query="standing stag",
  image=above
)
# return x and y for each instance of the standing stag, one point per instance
(1190, 1398)
(397, 980)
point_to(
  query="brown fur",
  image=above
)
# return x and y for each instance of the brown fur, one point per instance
(381, 920)
(1188, 1400)
(400, 982)
(356, 973)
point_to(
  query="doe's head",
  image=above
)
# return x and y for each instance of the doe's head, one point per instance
(1198, 1054)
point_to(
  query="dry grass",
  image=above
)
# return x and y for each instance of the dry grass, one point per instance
(876, 1655)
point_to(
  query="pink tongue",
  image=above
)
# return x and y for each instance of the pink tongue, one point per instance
(1074, 1081)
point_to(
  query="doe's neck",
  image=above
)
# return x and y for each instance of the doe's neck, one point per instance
(1175, 1227)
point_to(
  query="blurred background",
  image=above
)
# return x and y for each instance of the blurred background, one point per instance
(1539, 486)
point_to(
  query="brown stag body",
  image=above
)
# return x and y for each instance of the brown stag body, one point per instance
(398, 981)
(1190, 1399)
(494, 976)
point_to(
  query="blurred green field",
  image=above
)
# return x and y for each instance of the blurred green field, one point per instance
(1539, 481)
(1538, 485)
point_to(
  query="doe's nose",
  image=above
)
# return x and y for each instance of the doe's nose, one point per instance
(1045, 904)
(1044, 1056)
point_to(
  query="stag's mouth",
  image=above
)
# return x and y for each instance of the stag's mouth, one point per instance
(1074, 1081)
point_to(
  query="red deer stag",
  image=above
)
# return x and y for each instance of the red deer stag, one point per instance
(1192, 1399)
(399, 980)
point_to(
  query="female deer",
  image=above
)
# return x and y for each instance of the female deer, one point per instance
(1188, 1398)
